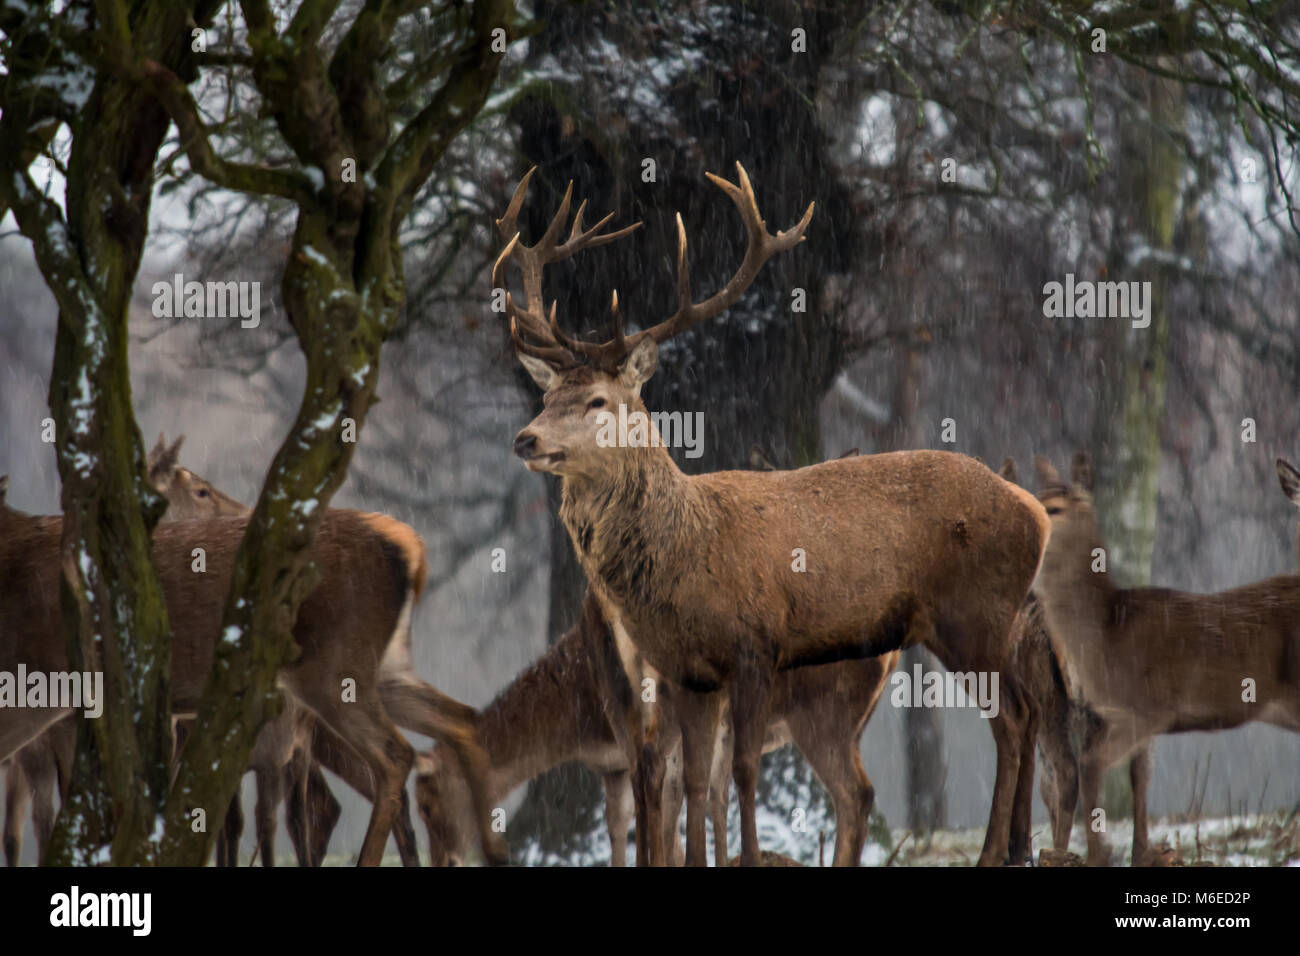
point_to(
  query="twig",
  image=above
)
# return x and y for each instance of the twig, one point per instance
(893, 856)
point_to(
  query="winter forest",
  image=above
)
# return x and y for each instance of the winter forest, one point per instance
(915, 484)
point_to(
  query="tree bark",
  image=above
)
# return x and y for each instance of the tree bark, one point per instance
(1127, 463)
(114, 618)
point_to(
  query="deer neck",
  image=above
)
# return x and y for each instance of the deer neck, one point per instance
(1077, 602)
(627, 526)
(547, 716)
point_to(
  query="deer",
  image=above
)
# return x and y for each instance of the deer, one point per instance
(42, 763)
(571, 703)
(355, 624)
(280, 758)
(694, 572)
(1154, 661)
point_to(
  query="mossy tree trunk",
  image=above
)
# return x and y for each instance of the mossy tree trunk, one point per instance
(1132, 404)
(343, 288)
(114, 618)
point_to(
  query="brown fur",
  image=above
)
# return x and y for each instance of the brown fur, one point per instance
(695, 572)
(901, 548)
(344, 627)
(1153, 660)
(279, 760)
(572, 703)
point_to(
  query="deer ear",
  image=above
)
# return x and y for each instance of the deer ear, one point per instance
(1047, 475)
(1290, 479)
(159, 449)
(640, 365)
(1081, 471)
(540, 370)
(162, 460)
(1008, 470)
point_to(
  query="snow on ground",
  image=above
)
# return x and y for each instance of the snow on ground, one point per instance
(1271, 839)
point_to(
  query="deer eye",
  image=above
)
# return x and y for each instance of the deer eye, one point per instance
(1055, 510)
(203, 492)
(595, 403)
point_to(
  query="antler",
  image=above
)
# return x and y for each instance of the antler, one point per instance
(541, 338)
(550, 343)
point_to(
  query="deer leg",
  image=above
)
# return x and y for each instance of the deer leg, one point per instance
(1139, 770)
(700, 716)
(232, 829)
(17, 796)
(674, 792)
(751, 690)
(1008, 733)
(337, 755)
(324, 812)
(618, 814)
(1059, 785)
(296, 814)
(408, 850)
(838, 765)
(41, 769)
(648, 778)
(630, 740)
(1092, 765)
(270, 794)
(720, 790)
(418, 706)
(1020, 844)
(366, 727)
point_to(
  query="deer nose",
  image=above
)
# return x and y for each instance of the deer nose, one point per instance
(525, 445)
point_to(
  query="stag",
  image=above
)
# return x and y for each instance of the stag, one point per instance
(694, 572)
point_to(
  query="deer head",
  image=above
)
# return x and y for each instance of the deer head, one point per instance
(587, 382)
(1069, 563)
(443, 799)
(188, 496)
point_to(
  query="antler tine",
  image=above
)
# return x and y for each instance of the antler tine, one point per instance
(533, 323)
(590, 238)
(498, 267)
(557, 356)
(683, 268)
(762, 246)
(546, 245)
(509, 223)
(530, 328)
(619, 343)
